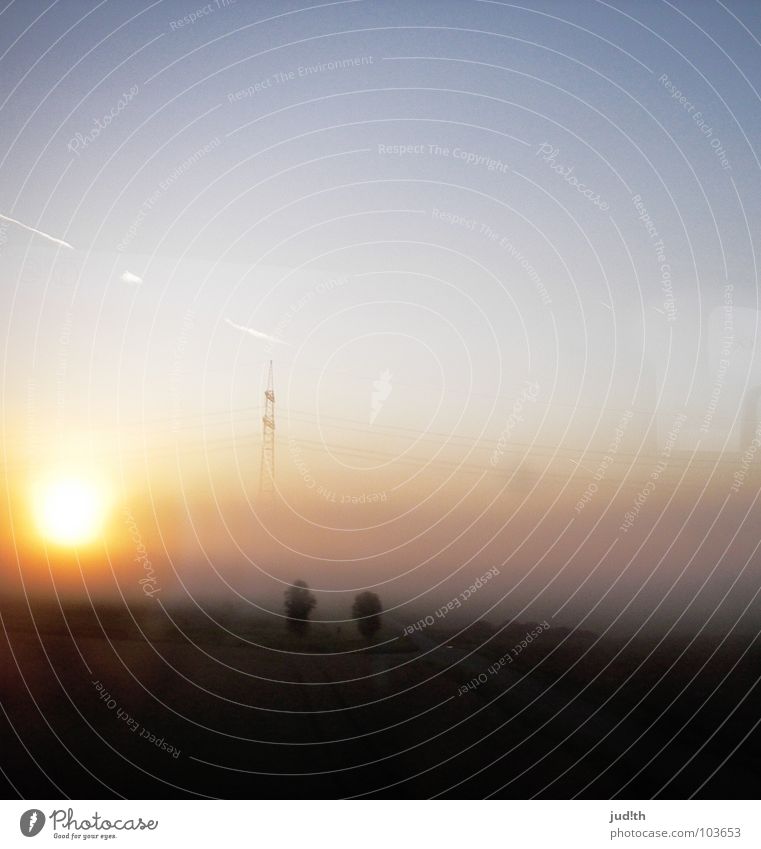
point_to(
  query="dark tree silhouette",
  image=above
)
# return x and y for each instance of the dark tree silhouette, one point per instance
(299, 602)
(367, 610)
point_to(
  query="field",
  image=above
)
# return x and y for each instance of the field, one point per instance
(150, 703)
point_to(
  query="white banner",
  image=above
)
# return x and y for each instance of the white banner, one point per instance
(382, 824)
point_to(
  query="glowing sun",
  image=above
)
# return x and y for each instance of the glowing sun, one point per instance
(70, 511)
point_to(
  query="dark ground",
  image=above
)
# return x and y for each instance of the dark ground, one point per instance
(570, 716)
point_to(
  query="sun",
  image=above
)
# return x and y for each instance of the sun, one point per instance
(70, 510)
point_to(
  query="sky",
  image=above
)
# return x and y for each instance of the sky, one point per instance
(472, 237)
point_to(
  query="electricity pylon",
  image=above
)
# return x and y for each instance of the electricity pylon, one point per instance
(267, 470)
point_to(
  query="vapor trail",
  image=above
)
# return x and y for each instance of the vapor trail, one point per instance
(255, 333)
(132, 279)
(38, 232)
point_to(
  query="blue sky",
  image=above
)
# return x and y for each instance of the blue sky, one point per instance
(296, 163)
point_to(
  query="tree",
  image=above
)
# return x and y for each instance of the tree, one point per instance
(299, 602)
(367, 610)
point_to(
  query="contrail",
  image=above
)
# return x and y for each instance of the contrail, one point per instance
(255, 333)
(38, 232)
